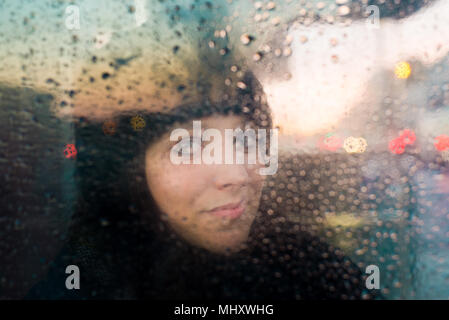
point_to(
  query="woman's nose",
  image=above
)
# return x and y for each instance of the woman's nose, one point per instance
(231, 176)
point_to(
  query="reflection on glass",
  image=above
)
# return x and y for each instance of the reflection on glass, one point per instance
(90, 92)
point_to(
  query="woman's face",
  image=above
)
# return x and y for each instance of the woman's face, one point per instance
(210, 205)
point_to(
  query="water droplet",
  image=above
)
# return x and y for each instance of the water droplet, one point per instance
(343, 10)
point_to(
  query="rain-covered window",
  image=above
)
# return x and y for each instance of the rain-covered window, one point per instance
(226, 149)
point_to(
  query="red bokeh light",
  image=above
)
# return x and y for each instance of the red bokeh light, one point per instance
(397, 145)
(408, 136)
(330, 142)
(442, 142)
(70, 151)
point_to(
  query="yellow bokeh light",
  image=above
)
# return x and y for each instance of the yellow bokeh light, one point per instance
(138, 123)
(355, 145)
(403, 70)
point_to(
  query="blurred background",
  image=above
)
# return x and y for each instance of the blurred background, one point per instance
(358, 89)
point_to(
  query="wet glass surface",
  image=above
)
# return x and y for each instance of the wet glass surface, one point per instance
(355, 95)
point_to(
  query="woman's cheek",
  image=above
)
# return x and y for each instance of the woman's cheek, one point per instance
(183, 177)
(179, 186)
(170, 189)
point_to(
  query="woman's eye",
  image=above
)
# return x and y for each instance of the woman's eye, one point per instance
(195, 142)
(262, 140)
(247, 143)
(187, 146)
(251, 143)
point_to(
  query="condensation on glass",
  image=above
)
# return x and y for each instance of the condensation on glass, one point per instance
(362, 112)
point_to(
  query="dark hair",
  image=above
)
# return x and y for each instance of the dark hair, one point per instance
(110, 236)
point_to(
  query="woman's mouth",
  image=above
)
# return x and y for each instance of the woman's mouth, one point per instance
(230, 210)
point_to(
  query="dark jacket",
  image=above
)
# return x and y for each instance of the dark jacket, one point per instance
(281, 263)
